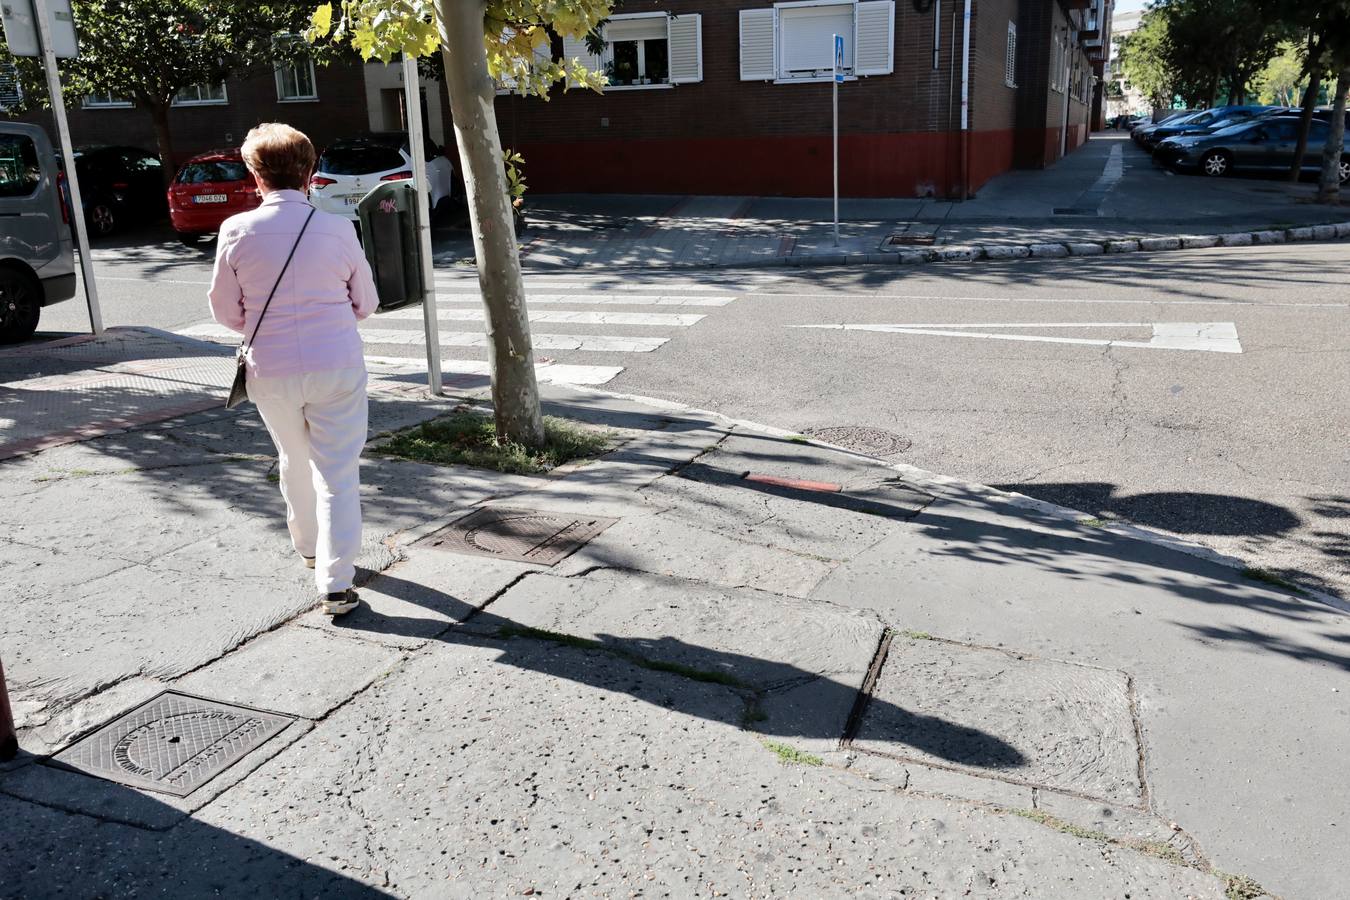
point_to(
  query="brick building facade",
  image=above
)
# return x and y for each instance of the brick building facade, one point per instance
(735, 101)
(743, 120)
(326, 102)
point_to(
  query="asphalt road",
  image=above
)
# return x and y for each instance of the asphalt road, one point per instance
(1004, 375)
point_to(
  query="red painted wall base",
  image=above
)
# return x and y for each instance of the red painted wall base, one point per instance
(871, 165)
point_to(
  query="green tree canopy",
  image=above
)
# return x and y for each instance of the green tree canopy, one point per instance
(149, 51)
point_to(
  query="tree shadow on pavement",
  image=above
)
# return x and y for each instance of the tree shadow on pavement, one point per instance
(1182, 512)
(48, 852)
(817, 713)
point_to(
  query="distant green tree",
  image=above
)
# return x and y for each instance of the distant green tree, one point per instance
(1282, 81)
(149, 51)
(1145, 60)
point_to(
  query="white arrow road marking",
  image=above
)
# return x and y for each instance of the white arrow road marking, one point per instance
(571, 317)
(595, 342)
(1216, 337)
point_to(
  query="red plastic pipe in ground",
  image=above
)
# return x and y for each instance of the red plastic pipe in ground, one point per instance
(9, 738)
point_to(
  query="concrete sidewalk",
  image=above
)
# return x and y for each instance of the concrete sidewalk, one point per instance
(1108, 190)
(839, 677)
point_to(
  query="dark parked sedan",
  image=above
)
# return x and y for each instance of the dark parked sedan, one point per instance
(119, 185)
(1202, 121)
(1264, 145)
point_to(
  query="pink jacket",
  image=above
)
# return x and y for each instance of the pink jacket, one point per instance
(327, 289)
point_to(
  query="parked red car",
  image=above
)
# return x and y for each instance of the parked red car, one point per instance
(209, 189)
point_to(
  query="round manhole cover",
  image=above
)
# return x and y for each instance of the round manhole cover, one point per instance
(860, 438)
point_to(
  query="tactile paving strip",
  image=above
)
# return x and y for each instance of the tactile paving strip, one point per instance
(172, 744)
(523, 535)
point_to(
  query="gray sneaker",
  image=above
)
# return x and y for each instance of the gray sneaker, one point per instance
(339, 603)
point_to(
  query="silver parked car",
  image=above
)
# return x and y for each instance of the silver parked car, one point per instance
(37, 262)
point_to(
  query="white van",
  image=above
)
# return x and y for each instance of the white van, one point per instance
(37, 261)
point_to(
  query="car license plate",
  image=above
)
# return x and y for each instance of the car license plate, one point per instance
(352, 199)
(209, 198)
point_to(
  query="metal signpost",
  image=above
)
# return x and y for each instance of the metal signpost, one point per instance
(834, 88)
(49, 31)
(417, 150)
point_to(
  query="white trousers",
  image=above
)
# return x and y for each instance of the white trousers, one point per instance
(318, 422)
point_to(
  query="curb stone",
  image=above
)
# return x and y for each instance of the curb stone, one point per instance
(974, 252)
(1012, 498)
(1163, 243)
(1049, 251)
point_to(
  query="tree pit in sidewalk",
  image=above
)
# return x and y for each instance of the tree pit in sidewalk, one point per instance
(468, 437)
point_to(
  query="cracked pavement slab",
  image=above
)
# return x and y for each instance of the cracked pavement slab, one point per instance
(501, 768)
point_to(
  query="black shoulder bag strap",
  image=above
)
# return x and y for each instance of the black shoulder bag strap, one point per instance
(239, 390)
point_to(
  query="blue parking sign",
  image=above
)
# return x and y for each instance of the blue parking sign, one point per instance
(839, 58)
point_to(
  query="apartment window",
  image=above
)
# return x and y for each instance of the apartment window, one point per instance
(11, 92)
(201, 95)
(295, 81)
(646, 50)
(1010, 62)
(1057, 58)
(794, 41)
(106, 100)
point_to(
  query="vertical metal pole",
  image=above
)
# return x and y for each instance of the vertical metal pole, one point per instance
(834, 89)
(44, 31)
(416, 143)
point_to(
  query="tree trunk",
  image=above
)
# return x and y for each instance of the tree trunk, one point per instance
(515, 393)
(1309, 104)
(1329, 186)
(159, 112)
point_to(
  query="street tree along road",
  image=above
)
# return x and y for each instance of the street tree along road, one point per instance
(1241, 451)
(480, 41)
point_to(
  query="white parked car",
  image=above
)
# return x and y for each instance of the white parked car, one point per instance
(351, 167)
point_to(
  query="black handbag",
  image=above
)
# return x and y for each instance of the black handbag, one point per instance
(239, 390)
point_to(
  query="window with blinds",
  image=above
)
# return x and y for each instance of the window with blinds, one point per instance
(1010, 63)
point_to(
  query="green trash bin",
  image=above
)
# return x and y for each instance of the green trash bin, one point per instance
(389, 222)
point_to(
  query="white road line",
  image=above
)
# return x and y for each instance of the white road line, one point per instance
(571, 317)
(1215, 337)
(878, 296)
(599, 343)
(588, 299)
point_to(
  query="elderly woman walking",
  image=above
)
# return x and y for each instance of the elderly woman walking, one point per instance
(305, 368)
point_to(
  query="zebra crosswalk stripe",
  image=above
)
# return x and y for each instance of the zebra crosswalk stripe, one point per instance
(600, 343)
(571, 317)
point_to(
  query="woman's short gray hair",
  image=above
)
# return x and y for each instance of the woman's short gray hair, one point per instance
(279, 155)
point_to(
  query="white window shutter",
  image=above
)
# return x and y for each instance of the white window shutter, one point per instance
(686, 48)
(874, 40)
(759, 61)
(575, 48)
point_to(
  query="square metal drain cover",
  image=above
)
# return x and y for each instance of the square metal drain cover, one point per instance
(173, 743)
(523, 535)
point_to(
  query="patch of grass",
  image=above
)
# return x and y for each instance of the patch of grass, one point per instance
(917, 635)
(274, 477)
(1236, 887)
(1094, 522)
(1240, 887)
(1058, 824)
(62, 475)
(1158, 849)
(470, 439)
(655, 665)
(788, 755)
(799, 439)
(1266, 576)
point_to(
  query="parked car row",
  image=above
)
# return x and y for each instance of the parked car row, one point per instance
(1231, 139)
